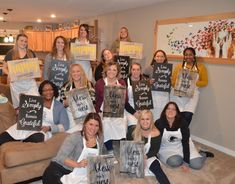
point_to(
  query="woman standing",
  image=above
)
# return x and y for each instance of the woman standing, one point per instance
(146, 131)
(69, 165)
(123, 36)
(83, 38)
(106, 56)
(114, 128)
(176, 146)
(77, 80)
(55, 119)
(188, 105)
(160, 98)
(60, 51)
(27, 86)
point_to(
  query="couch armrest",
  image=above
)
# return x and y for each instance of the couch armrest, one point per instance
(21, 153)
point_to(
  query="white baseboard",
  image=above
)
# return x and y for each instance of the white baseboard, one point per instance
(213, 145)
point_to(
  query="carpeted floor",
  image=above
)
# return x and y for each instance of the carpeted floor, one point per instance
(217, 170)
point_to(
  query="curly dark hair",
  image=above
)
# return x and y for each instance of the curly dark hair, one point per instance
(55, 89)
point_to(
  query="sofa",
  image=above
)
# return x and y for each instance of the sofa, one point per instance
(24, 161)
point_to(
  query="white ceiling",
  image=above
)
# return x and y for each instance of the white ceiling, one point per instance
(65, 10)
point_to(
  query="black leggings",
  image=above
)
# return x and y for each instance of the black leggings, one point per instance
(6, 137)
(53, 173)
(161, 177)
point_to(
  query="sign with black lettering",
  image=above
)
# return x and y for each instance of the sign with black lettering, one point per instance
(142, 95)
(80, 103)
(30, 112)
(59, 72)
(162, 75)
(132, 158)
(186, 83)
(101, 170)
(114, 101)
(124, 63)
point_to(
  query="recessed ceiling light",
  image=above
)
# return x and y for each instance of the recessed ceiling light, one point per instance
(39, 20)
(190, 25)
(53, 16)
(1, 18)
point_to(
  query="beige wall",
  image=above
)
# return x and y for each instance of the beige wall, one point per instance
(213, 122)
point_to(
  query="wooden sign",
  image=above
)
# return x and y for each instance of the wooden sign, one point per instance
(142, 95)
(30, 112)
(185, 83)
(131, 49)
(83, 51)
(24, 69)
(132, 158)
(80, 103)
(59, 72)
(114, 101)
(124, 63)
(101, 170)
(162, 75)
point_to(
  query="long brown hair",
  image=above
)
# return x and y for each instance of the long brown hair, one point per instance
(65, 49)
(15, 50)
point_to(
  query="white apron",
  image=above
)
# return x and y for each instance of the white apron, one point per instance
(28, 87)
(131, 119)
(114, 128)
(79, 175)
(160, 99)
(47, 120)
(86, 65)
(172, 145)
(186, 103)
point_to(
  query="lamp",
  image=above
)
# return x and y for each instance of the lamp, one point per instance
(6, 39)
(10, 38)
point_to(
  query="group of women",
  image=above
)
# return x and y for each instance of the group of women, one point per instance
(164, 129)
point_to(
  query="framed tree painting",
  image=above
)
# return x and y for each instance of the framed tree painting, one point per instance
(213, 37)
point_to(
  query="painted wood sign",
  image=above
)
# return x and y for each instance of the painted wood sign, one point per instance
(101, 170)
(186, 83)
(24, 69)
(59, 72)
(162, 75)
(114, 101)
(124, 63)
(132, 158)
(142, 95)
(80, 103)
(83, 51)
(30, 112)
(131, 49)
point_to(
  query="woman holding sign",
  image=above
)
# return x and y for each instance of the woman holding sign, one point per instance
(146, 131)
(55, 119)
(188, 104)
(115, 125)
(177, 148)
(83, 38)
(123, 36)
(26, 86)
(160, 98)
(77, 80)
(69, 165)
(60, 52)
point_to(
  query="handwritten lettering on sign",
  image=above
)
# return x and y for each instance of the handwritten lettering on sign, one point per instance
(186, 83)
(114, 101)
(162, 75)
(30, 113)
(101, 170)
(132, 158)
(80, 103)
(124, 63)
(24, 69)
(83, 51)
(142, 95)
(131, 49)
(59, 72)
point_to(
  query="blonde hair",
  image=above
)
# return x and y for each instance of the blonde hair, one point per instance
(84, 80)
(15, 51)
(136, 134)
(128, 38)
